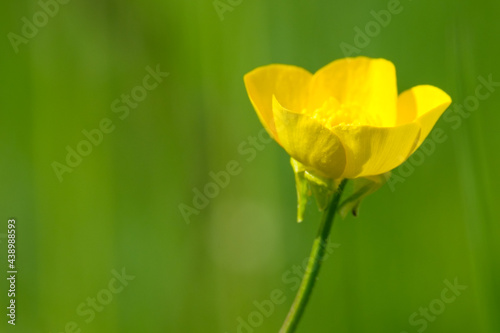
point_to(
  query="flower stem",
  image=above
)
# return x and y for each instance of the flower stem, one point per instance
(314, 264)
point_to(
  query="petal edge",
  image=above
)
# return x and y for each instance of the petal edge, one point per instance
(323, 151)
(288, 83)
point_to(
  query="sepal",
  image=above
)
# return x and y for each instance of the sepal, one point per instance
(307, 183)
(362, 187)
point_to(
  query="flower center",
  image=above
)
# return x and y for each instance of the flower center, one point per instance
(333, 113)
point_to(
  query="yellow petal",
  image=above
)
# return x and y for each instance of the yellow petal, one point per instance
(422, 105)
(288, 83)
(361, 85)
(309, 142)
(375, 150)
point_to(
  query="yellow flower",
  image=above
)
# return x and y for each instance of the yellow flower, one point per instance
(346, 120)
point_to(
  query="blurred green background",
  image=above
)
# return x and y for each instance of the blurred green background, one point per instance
(119, 208)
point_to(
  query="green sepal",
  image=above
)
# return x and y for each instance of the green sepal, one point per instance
(302, 188)
(322, 188)
(307, 183)
(362, 187)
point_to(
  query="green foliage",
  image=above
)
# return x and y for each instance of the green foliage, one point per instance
(435, 219)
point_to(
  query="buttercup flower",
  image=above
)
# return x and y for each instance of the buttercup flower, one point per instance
(346, 120)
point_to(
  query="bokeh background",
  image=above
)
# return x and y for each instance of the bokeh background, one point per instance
(119, 208)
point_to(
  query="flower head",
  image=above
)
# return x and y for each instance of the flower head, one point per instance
(346, 120)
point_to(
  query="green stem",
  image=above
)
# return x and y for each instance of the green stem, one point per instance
(314, 264)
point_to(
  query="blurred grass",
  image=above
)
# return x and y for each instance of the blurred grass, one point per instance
(119, 208)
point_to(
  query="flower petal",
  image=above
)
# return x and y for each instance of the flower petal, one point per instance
(288, 83)
(423, 105)
(361, 83)
(309, 142)
(375, 150)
